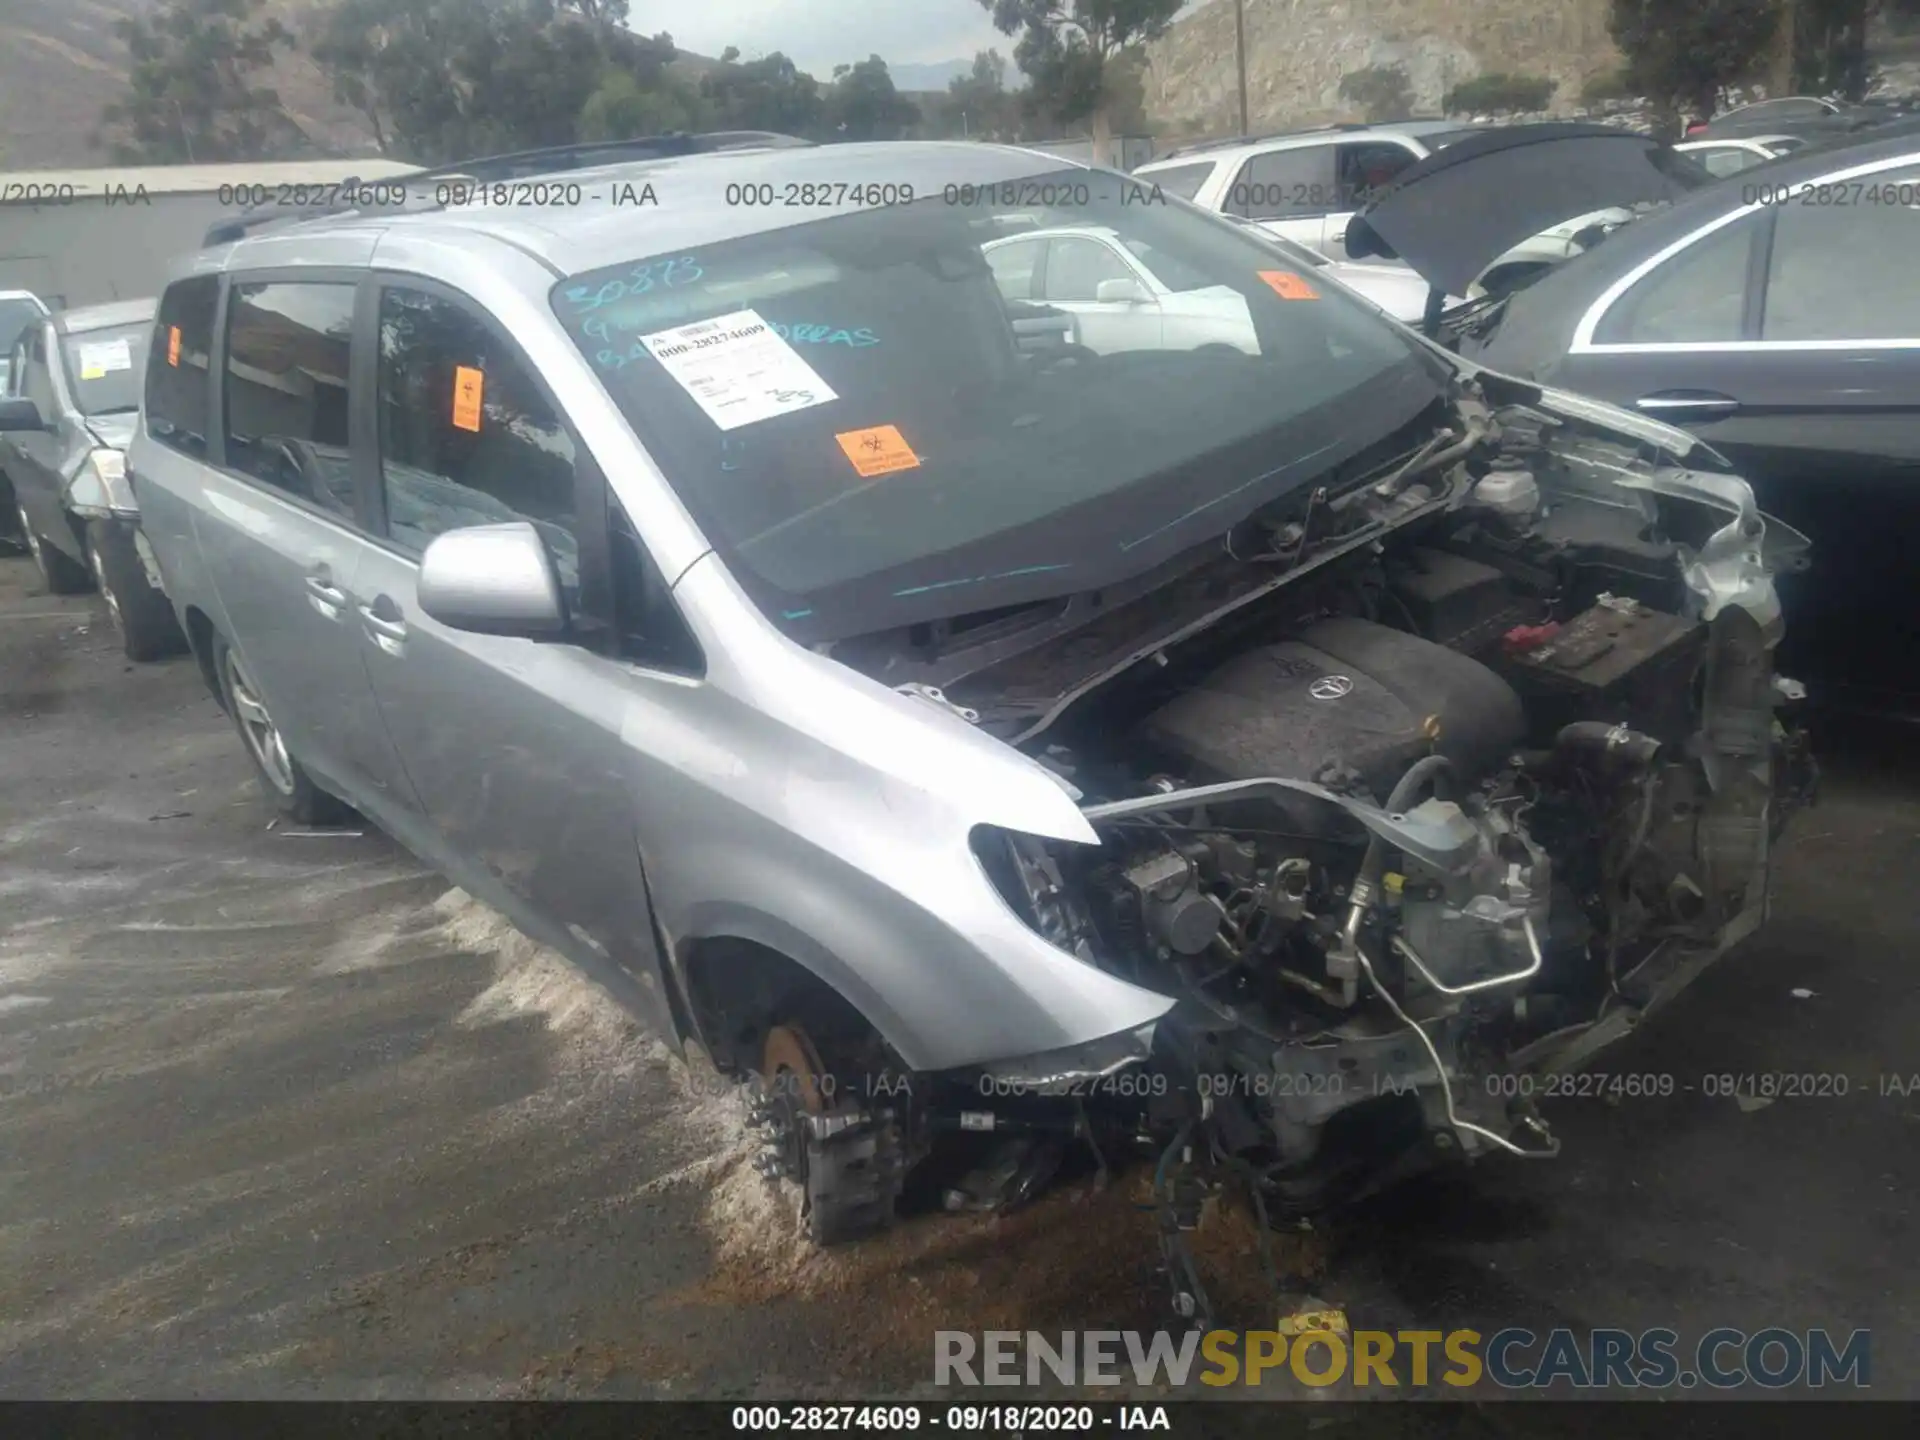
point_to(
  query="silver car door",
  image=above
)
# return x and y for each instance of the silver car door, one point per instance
(34, 466)
(283, 541)
(517, 750)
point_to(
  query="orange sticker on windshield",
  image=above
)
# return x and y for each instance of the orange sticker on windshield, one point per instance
(1289, 286)
(173, 346)
(879, 451)
(468, 386)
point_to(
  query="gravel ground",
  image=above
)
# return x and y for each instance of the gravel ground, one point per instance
(283, 1115)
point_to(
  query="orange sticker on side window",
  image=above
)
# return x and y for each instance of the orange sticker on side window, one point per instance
(1289, 286)
(469, 385)
(173, 346)
(878, 451)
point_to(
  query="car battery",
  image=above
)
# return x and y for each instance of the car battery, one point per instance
(1620, 658)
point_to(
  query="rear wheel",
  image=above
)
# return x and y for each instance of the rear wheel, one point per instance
(847, 1156)
(149, 630)
(63, 574)
(290, 788)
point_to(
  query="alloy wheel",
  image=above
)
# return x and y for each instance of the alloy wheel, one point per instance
(100, 580)
(33, 541)
(256, 725)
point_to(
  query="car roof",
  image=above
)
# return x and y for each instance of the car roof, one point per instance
(1828, 105)
(1243, 148)
(689, 205)
(1539, 313)
(103, 317)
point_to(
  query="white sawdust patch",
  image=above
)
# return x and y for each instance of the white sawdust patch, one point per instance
(593, 1033)
(754, 1224)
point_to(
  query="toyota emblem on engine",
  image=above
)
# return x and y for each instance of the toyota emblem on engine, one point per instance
(1330, 687)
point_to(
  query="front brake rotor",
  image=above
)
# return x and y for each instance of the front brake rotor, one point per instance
(796, 1084)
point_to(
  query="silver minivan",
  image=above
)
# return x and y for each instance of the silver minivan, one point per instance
(983, 744)
(66, 414)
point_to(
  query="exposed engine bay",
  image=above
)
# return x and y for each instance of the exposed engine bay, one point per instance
(1446, 772)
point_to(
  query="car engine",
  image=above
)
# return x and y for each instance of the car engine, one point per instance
(1483, 776)
(1441, 775)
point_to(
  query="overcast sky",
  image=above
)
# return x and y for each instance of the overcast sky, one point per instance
(819, 34)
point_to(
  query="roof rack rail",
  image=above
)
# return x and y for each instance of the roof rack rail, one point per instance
(1201, 146)
(516, 165)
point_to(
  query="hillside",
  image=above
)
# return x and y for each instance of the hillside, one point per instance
(1297, 51)
(60, 63)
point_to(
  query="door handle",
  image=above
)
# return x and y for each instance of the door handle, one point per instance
(388, 631)
(1683, 404)
(326, 597)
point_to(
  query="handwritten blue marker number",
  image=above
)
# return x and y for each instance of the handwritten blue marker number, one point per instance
(641, 280)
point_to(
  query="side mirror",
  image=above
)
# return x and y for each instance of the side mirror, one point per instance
(21, 415)
(1121, 292)
(493, 580)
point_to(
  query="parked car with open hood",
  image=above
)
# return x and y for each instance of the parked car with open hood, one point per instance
(1237, 750)
(1306, 187)
(1777, 316)
(65, 419)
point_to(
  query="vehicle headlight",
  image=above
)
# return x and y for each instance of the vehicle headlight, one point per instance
(99, 489)
(1028, 878)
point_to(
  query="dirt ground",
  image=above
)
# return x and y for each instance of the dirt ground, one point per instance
(283, 1115)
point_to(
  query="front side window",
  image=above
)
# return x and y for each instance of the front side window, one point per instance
(179, 395)
(1077, 266)
(467, 437)
(288, 354)
(1016, 267)
(1697, 295)
(848, 410)
(16, 315)
(37, 382)
(1850, 269)
(104, 367)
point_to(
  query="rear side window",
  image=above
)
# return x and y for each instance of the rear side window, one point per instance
(179, 393)
(467, 436)
(1698, 295)
(288, 348)
(1182, 180)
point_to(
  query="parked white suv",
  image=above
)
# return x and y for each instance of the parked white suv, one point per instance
(1306, 187)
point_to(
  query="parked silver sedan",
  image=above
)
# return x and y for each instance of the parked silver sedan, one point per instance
(72, 393)
(1240, 749)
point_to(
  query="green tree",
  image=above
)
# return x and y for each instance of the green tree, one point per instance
(1498, 94)
(623, 108)
(193, 87)
(766, 94)
(1071, 51)
(1381, 91)
(1680, 53)
(978, 103)
(862, 103)
(444, 80)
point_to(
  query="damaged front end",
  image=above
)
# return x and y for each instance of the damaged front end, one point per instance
(1480, 780)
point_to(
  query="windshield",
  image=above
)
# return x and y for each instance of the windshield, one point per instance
(104, 367)
(935, 407)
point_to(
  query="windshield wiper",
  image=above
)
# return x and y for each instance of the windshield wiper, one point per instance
(114, 410)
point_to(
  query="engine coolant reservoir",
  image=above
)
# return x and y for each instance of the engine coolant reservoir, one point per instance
(1509, 491)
